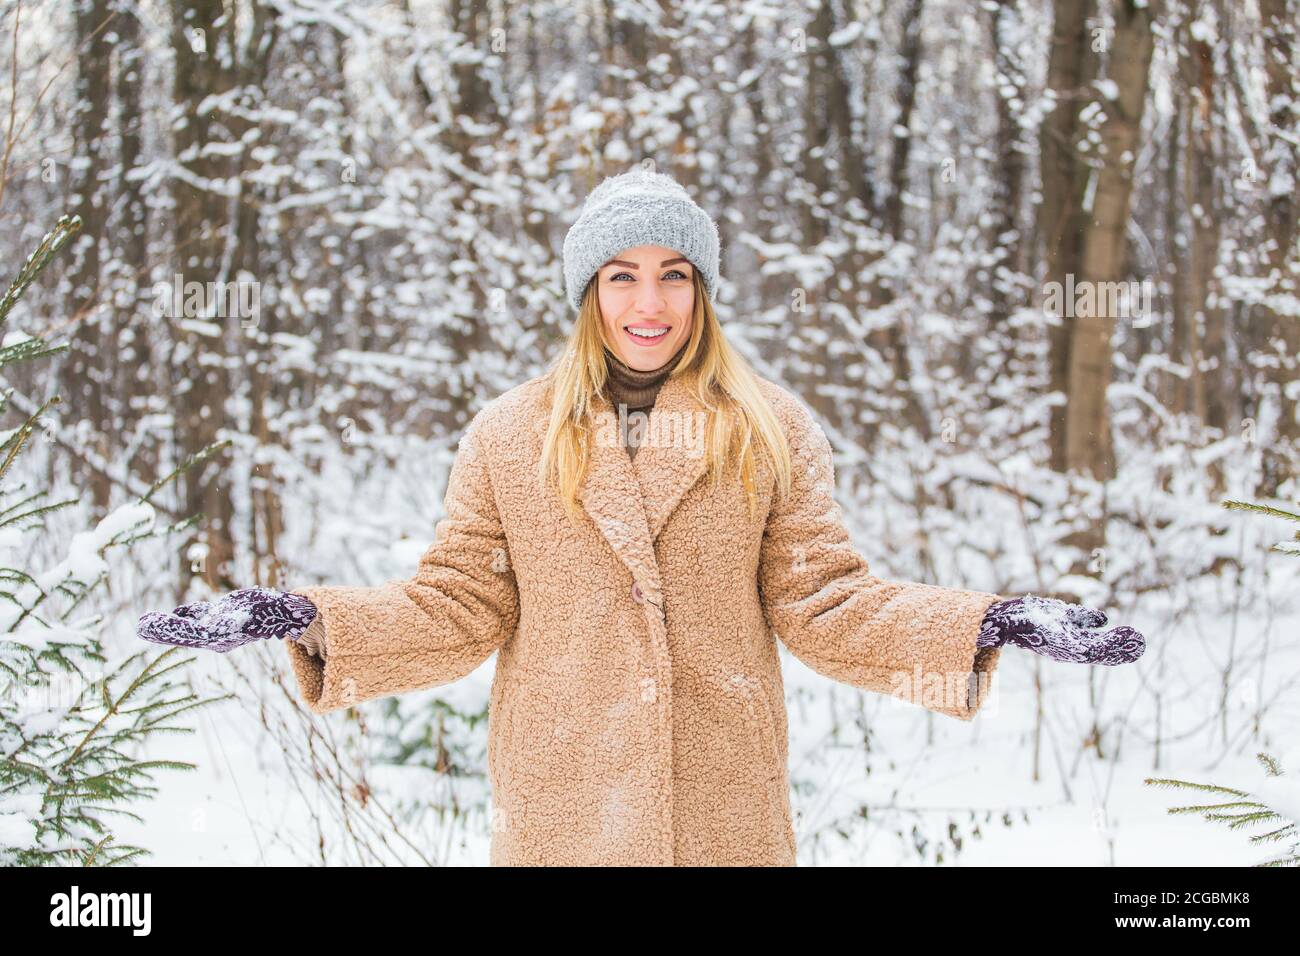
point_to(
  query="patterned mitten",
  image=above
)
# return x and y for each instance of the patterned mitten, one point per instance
(249, 614)
(1064, 632)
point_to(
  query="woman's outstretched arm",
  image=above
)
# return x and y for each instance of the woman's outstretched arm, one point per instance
(913, 641)
(461, 605)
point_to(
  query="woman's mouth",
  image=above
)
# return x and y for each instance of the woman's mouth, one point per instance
(646, 334)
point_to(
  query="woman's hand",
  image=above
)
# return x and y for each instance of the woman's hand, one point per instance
(249, 614)
(1064, 632)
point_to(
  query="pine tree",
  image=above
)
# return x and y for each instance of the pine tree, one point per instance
(1276, 807)
(1278, 801)
(70, 720)
(1273, 512)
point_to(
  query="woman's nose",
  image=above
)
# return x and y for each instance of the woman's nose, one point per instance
(649, 300)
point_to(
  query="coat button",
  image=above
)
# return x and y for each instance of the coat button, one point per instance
(636, 593)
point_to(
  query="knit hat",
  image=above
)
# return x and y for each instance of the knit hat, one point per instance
(638, 208)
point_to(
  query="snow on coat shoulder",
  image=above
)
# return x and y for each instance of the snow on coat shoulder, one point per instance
(637, 713)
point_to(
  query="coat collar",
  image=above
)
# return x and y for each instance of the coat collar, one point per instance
(630, 500)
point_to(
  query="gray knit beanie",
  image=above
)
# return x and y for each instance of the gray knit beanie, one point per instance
(638, 208)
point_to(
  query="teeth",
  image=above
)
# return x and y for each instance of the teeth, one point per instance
(648, 333)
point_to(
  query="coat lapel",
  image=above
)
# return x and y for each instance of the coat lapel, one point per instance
(630, 500)
(673, 461)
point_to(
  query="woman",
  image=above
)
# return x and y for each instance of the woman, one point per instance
(631, 571)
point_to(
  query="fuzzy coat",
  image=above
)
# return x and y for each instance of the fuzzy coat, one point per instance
(637, 712)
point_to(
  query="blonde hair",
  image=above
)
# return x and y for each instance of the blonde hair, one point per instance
(741, 424)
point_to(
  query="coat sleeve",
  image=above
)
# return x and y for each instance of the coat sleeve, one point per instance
(460, 607)
(915, 642)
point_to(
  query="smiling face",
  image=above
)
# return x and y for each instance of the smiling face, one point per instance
(647, 301)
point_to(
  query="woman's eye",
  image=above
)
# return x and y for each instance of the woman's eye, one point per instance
(670, 274)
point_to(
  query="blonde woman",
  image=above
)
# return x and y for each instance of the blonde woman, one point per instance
(631, 533)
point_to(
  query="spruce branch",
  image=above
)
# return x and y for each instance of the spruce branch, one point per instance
(47, 249)
(1257, 811)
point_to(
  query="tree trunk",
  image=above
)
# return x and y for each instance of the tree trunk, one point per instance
(1105, 244)
(202, 41)
(1071, 66)
(86, 371)
(131, 237)
(1280, 173)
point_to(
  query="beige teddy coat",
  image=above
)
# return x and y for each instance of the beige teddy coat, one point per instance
(637, 712)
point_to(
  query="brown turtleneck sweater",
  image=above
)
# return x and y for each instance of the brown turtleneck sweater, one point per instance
(635, 389)
(623, 385)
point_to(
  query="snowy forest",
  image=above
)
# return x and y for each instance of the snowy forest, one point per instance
(1033, 264)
